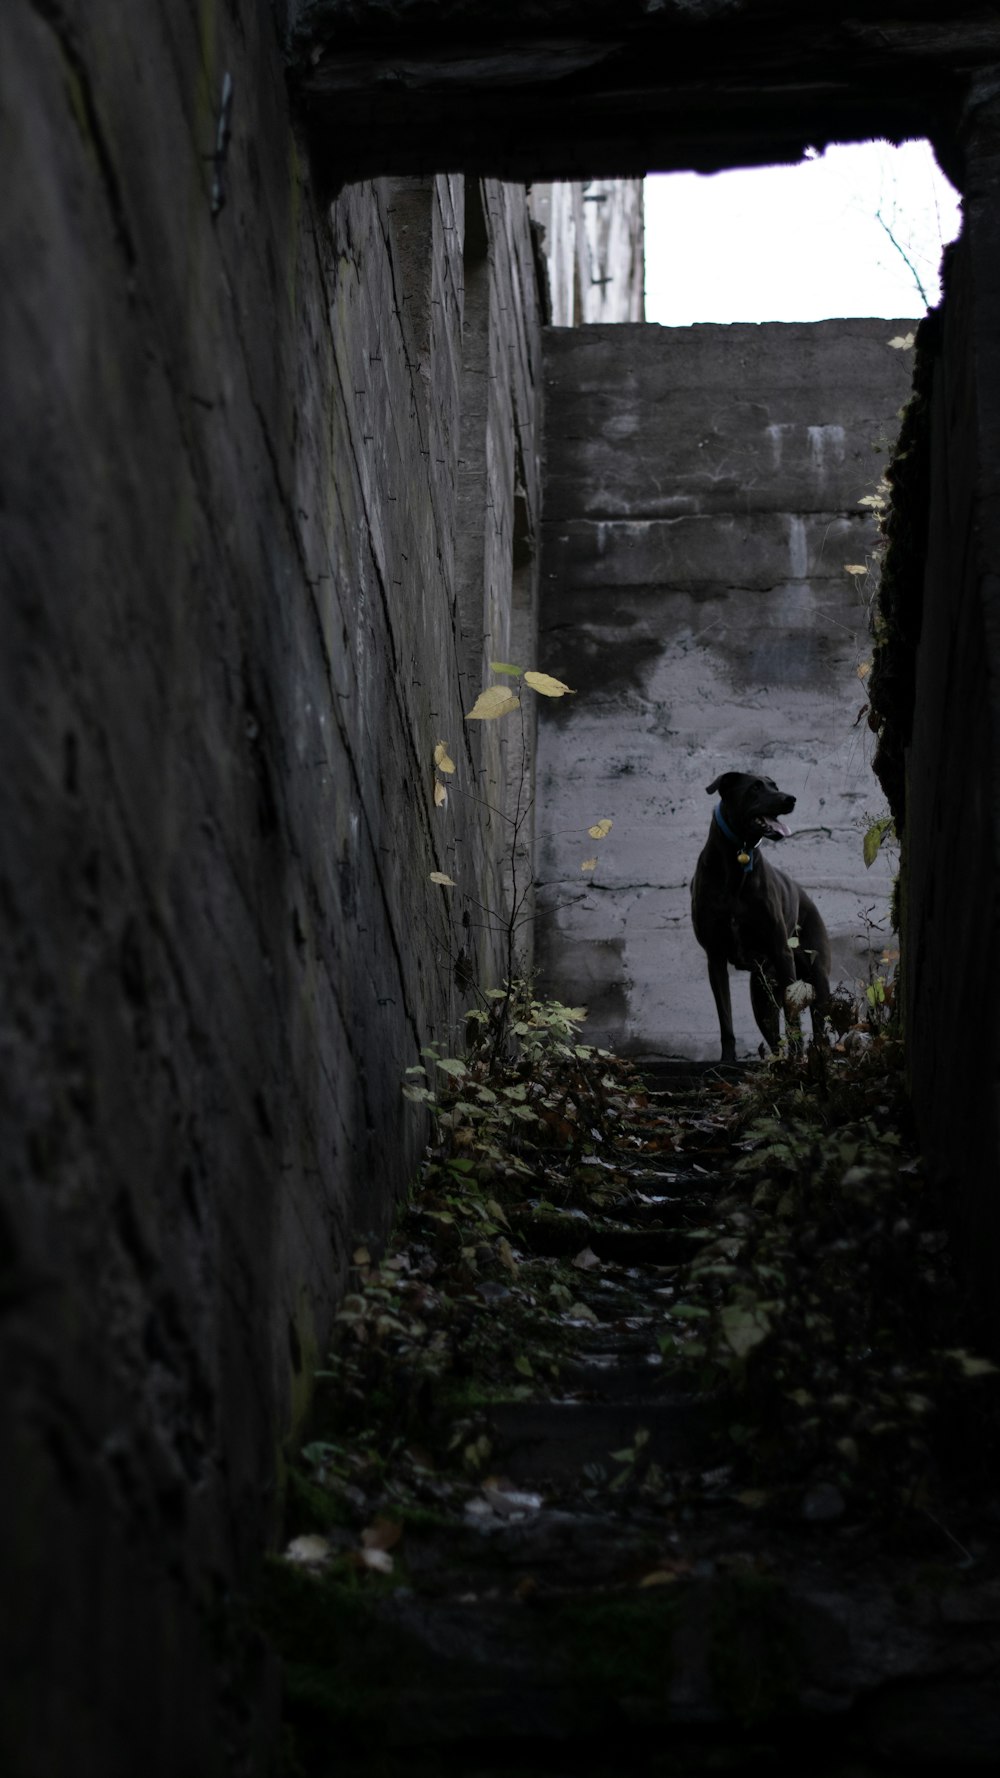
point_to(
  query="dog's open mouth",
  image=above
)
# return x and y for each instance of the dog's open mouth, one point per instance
(772, 829)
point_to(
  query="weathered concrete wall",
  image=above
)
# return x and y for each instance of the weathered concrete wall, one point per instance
(240, 446)
(592, 242)
(702, 505)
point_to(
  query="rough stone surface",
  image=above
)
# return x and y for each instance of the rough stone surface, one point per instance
(240, 441)
(702, 504)
(952, 847)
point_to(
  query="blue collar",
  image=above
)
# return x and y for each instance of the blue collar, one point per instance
(749, 851)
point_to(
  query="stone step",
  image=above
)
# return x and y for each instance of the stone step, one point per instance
(556, 1238)
(539, 1444)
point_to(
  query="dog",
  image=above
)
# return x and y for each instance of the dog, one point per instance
(751, 915)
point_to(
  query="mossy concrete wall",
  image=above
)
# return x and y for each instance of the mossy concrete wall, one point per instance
(246, 440)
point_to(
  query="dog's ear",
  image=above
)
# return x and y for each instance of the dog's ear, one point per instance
(722, 782)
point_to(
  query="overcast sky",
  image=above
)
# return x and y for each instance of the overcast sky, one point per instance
(800, 243)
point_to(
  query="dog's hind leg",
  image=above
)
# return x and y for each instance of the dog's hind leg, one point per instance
(821, 998)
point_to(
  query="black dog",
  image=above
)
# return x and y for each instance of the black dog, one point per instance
(750, 915)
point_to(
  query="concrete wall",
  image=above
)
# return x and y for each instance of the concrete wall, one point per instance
(269, 493)
(702, 505)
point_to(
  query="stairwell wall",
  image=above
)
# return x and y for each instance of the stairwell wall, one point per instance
(234, 430)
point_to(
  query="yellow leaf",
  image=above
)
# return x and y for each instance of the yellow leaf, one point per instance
(864, 669)
(505, 1254)
(549, 687)
(440, 794)
(442, 759)
(589, 864)
(855, 567)
(601, 829)
(495, 701)
(439, 876)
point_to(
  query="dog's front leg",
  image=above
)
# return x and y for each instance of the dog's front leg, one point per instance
(718, 976)
(767, 993)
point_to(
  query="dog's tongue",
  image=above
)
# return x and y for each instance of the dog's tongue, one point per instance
(777, 829)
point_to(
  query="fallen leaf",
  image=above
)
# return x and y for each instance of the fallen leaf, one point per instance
(506, 1500)
(903, 341)
(442, 758)
(440, 794)
(855, 567)
(381, 1534)
(361, 1257)
(380, 1560)
(823, 1502)
(310, 1551)
(586, 1260)
(589, 864)
(798, 995)
(549, 687)
(969, 1365)
(743, 1329)
(580, 1312)
(439, 876)
(601, 829)
(496, 700)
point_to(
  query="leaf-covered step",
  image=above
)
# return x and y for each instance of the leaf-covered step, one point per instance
(558, 1237)
(558, 1442)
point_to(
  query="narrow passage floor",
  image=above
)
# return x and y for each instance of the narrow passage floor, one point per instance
(655, 1440)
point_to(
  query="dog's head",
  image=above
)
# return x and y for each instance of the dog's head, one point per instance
(751, 805)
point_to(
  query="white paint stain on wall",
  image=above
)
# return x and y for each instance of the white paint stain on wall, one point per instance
(776, 434)
(798, 546)
(826, 445)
